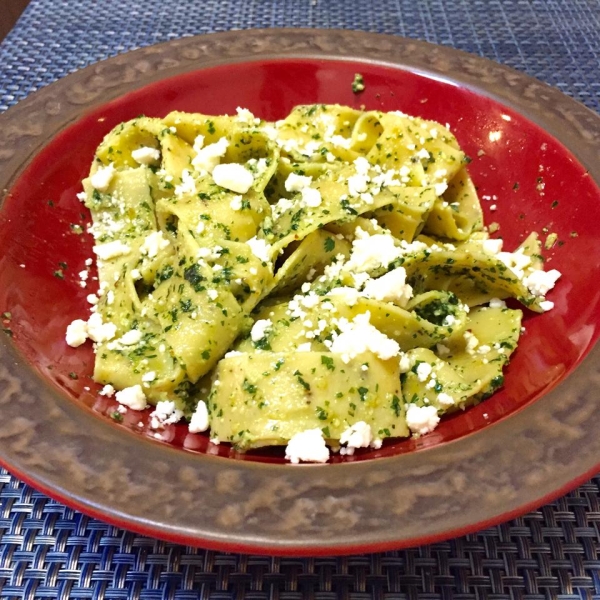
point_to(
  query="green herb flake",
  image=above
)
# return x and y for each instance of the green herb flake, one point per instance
(116, 416)
(328, 362)
(358, 84)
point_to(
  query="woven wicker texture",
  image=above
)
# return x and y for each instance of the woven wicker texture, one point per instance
(50, 551)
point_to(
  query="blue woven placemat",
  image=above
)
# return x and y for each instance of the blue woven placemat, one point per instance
(50, 551)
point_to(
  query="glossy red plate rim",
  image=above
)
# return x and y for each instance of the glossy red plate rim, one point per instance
(316, 494)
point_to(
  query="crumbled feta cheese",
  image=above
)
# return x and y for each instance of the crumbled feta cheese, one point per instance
(260, 329)
(213, 294)
(296, 183)
(442, 350)
(372, 251)
(440, 188)
(445, 399)
(406, 363)
(165, 413)
(99, 331)
(307, 347)
(245, 116)
(497, 303)
(133, 397)
(111, 250)
(391, 287)
(358, 435)
(236, 203)
(362, 165)
(423, 154)
(472, 342)
(546, 305)
(146, 155)
(357, 184)
(282, 206)
(424, 371)
(149, 376)
(153, 243)
(187, 185)
(307, 446)
(130, 338)
(260, 248)
(208, 157)
(541, 282)
(234, 177)
(108, 390)
(92, 299)
(359, 336)
(492, 247)
(101, 179)
(311, 197)
(76, 333)
(422, 419)
(199, 421)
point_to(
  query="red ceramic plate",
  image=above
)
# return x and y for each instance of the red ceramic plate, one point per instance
(534, 151)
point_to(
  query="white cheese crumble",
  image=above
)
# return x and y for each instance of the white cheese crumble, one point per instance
(153, 243)
(111, 250)
(260, 248)
(208, 157)
(358, 435)
(165, 413)
(391, 287)
(359, 336)
(260, 329)
(445, 399)
(492, 247)
(101, 179)
(424, 371)
(236, 203)
(187, 185)
(76, 333)
(307, 446)
(234, 177)
(108, 390)
(296, 183)
(246, 116)
(145, 155)
(133, 397)
(149, 376)
(199, 421)
(311, 197)
(497, 303)
(130, 338)
(422, 419)
(372, 251)
(541, 282)
(99, 331)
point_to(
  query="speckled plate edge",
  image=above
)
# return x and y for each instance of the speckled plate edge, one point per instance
(512, 466)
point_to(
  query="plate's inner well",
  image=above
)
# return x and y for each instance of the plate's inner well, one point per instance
(537, 185)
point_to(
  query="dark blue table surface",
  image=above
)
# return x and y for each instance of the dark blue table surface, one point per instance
(50, 551)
